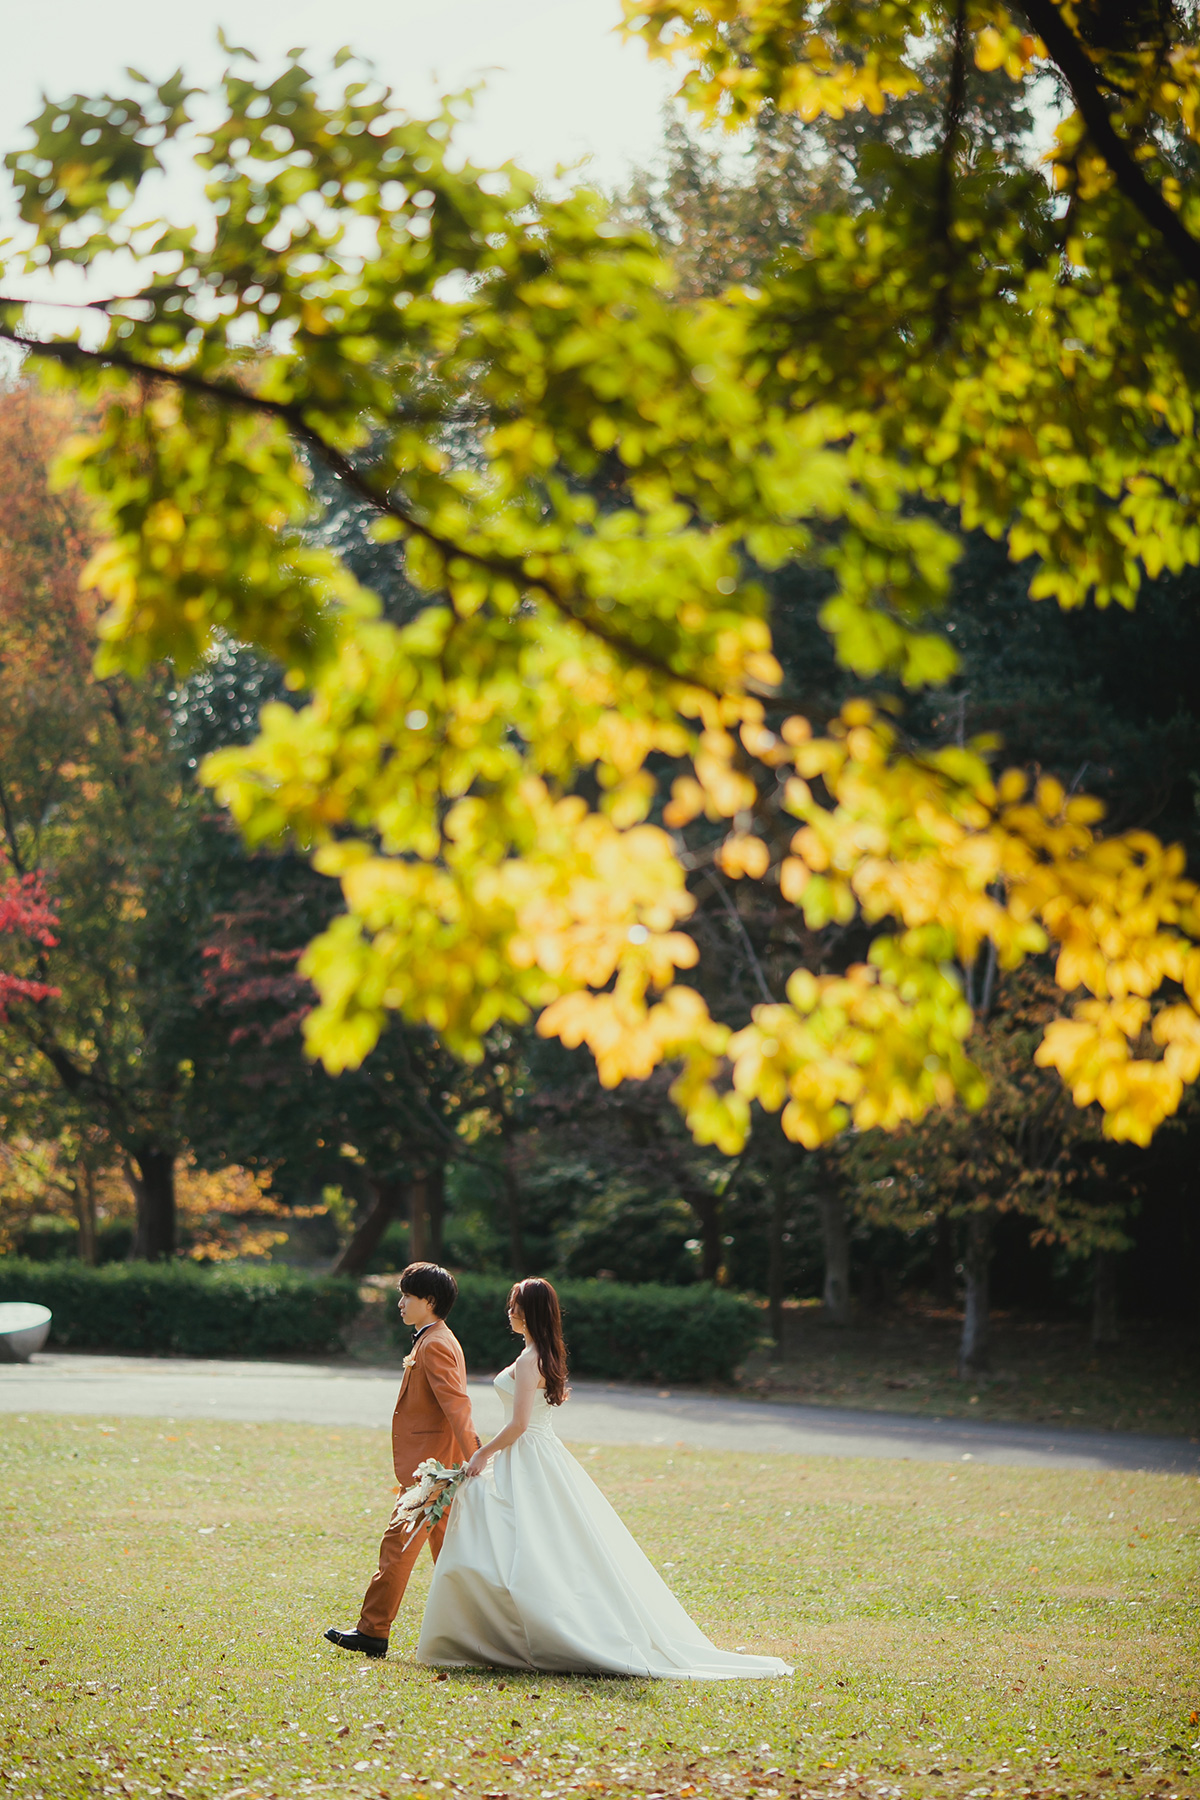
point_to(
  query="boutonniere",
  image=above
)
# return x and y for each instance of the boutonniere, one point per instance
(409, 1360)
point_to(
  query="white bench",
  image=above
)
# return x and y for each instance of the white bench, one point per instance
(24, 1328)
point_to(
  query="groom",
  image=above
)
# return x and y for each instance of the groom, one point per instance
(432, 1418)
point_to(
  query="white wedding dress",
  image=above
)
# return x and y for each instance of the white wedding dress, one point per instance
(537, 1572)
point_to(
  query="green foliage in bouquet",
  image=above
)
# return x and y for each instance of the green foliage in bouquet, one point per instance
(431, 1493)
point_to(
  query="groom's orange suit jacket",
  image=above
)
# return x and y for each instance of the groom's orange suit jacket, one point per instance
(433, 1413)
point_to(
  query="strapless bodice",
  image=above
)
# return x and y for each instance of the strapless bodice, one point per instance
(541, 1419)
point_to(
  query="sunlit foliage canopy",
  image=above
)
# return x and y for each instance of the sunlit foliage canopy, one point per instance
(587, 476)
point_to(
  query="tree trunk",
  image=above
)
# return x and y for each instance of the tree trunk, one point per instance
(418, 1217)
(83, 1196)
(775, 1275)
(151, 1173)
(1104, 1299)
(943, 1261)
(836, 1238)
(781, 1160)
(512, 1201)
(437, 1210)
(977, 1260)
(709, 1210)
(388, 1204)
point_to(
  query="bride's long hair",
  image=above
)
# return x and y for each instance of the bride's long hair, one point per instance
(538, 1304)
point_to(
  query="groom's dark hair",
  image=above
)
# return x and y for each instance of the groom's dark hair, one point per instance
(429, 1281)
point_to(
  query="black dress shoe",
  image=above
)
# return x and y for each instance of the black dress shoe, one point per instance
(357, 1640)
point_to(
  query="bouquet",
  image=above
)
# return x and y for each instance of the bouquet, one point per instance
(431, 1493)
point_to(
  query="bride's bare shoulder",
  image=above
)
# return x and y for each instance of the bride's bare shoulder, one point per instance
(527, 1364)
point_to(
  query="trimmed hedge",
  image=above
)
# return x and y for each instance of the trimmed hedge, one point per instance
(643, 1333)
(185, 1309)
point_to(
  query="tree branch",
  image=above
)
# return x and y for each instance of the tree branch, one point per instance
(110, 308)
(447, 1140)
(1078, 70)
(77, 1079)
(739, 926)
(573, 607)
(951, 130)
(10, 831)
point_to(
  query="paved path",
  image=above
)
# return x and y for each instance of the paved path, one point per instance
(332, 1394)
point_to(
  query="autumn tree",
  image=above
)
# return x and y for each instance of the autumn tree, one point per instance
(1079, 695)
(28, 915)
(91, 802)
(1059, 693)
(1028, 1152)
(583, 472)
(384, 1132)
(729, 208)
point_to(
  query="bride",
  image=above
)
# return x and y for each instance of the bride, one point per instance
(536, 1570)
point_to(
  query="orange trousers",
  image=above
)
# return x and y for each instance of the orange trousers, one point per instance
(397, 1554)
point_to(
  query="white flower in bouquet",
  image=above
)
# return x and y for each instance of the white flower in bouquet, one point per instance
(430, 1494)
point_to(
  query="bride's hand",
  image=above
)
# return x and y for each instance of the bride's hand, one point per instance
(478, 1463)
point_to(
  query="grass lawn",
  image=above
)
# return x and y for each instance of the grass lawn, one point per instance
(904, 1360)
(956, 1629)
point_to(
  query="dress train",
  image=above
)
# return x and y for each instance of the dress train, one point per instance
(538, 1572)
